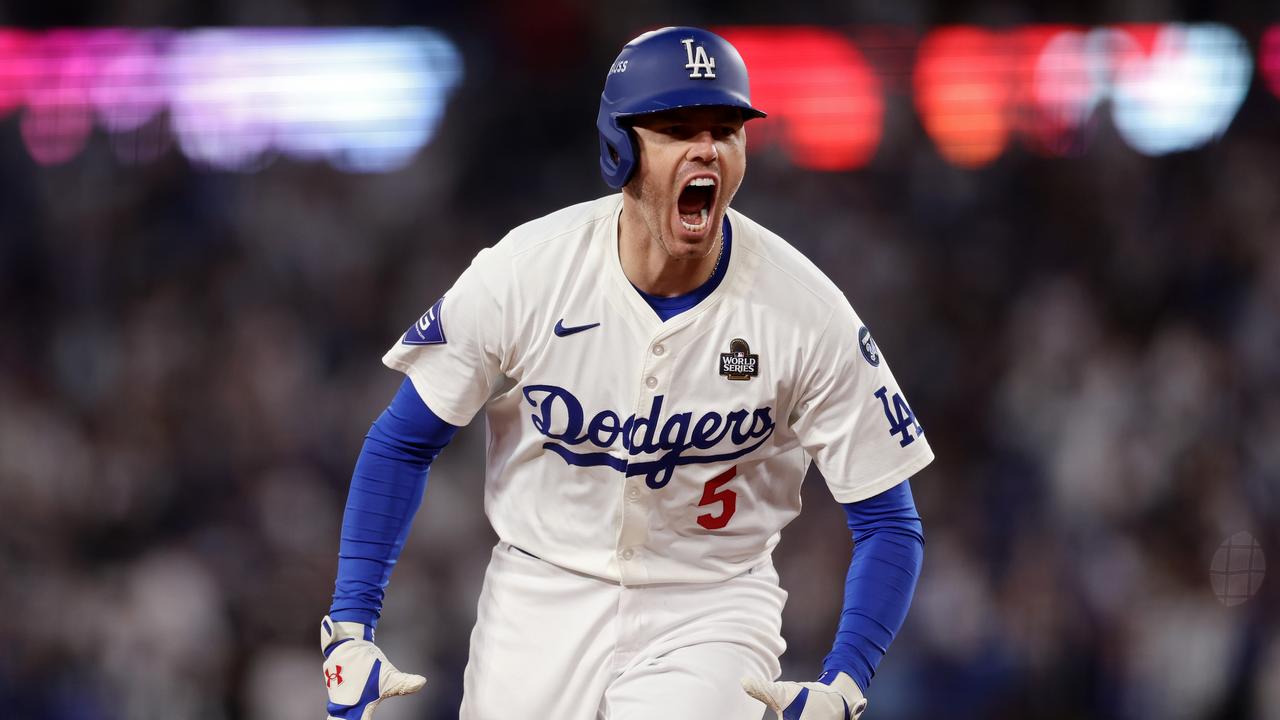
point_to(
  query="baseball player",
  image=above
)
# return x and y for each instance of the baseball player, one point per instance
(656, 371)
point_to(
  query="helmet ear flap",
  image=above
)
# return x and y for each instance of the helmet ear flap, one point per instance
(634, 143)
(618, 153)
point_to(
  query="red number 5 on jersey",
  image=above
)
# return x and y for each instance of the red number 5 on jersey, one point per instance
(712, 493)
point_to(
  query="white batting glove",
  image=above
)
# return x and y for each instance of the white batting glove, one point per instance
(356, 672)
(839, 700)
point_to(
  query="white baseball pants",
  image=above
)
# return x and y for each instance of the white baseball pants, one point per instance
(552, 644)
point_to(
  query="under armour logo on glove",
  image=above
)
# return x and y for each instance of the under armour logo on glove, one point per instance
(348, 648)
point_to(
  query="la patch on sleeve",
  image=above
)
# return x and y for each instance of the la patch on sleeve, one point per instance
(429, 330)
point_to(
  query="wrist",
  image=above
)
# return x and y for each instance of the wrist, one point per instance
(843, 683)
(333, 632)
(362, 615)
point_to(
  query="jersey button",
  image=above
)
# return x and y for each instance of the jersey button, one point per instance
(633, 494)
(628, 554)
(659, 349)
(651, 382)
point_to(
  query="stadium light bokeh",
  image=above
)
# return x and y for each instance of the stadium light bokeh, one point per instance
(963, 86)
(367, 100)
(826, 99)
(363, 99)
(1269, 59)
(1173, 87)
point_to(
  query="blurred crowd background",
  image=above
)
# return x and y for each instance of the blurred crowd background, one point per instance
(190, 357)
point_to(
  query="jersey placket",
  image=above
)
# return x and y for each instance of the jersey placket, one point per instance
(655, 377)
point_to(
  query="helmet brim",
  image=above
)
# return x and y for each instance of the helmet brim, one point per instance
(691, 97)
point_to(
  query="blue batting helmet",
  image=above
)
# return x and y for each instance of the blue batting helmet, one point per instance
(670, 68)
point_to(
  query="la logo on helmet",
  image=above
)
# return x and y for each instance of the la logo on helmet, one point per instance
(701, 65)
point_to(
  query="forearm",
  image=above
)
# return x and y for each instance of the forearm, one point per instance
(888, 554)
(387, 486)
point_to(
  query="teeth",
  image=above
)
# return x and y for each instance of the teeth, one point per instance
(702, 182)
(701, 223)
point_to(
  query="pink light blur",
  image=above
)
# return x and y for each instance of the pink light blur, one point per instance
(131, 86)
(1056, 90)
(1269, 58)
(15, 69)
(56, 123)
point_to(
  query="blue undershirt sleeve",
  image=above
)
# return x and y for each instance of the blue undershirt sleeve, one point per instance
(386, 488)
(888, 551)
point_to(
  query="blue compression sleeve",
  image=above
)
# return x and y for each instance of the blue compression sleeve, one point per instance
(888, 552)
(386, 489)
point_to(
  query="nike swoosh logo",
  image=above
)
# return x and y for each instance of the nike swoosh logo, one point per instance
(562, 331)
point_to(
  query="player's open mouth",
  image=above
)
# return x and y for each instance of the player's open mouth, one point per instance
(694, 203)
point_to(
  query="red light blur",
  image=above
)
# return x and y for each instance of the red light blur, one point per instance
(963, 93)
(824, 101)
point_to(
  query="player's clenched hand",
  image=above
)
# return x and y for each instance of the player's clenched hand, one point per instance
(839, 700)
(356, 672)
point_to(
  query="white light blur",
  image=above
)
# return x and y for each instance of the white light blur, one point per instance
(1183, 94)
(365, 100)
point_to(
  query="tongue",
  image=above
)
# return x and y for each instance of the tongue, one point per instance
(693, 199)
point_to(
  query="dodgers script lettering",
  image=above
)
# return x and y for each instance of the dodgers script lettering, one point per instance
(558, 414)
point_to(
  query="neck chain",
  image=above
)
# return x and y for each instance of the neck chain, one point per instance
(719, 258)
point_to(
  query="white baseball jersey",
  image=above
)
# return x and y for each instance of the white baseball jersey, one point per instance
(643, 451)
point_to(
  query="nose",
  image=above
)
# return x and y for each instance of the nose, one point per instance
(702, 147)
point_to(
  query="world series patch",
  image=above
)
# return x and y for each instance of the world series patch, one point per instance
(739, 363)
